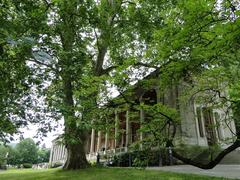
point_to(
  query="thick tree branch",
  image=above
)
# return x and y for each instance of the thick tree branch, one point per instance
(100, 59)
(213, 162)
(145, 65)
(42, 64)
(218, 93)
(107, 70)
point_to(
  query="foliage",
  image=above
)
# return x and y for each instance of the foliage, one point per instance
(43, 155)
(20, 27)
(142, 159)
(3, 155)
(13, 157)
(27, 165)
(26, 151)
(71, 53)
(204, 57)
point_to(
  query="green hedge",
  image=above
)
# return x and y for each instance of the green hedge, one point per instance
(142, 158)
(3, 166)
(27, 165)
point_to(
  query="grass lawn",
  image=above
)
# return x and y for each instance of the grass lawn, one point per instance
(97, 174)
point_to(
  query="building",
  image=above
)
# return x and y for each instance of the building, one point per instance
(200, 125)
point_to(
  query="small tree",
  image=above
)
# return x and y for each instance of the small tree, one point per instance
(3, 155)
(43, 155)
(28, 151)
(13, 157)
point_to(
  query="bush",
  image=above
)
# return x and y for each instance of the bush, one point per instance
(3, 166)
(27, 165)
(142, 158)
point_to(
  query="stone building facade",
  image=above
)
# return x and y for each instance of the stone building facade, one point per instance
(193, 130)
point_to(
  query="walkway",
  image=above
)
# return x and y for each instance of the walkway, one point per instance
(227, 171)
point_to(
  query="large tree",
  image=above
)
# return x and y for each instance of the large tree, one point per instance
(87, 40)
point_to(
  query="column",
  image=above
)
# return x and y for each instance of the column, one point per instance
(63, 151)
(122, 139)
(51, 156)
(92, 141)
(106, 141)
(127, 130)
(54, 154)
(116, 129)
(58, 152)
(141, 121)
(158, 94)
(99, 141)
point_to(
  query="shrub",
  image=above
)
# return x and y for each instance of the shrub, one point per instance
(141, 158)
(3, 166)
(140, 161)
(27, 165)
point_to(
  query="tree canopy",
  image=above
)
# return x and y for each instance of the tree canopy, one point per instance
(24, 152)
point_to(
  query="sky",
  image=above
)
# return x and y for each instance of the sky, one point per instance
(31, 130)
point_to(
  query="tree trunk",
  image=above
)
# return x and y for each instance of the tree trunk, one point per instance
(74, 138)
(74, 135)
(76, 158)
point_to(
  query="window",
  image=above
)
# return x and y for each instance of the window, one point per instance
(199, 120)
(209, 125)
(217, 120)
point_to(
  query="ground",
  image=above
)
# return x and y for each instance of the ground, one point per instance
(228, 171)
(98, 174)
